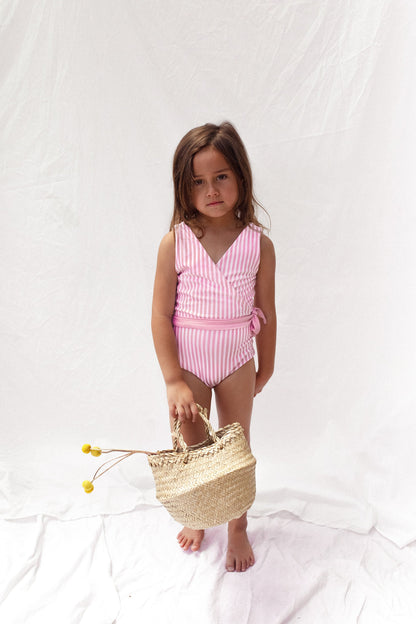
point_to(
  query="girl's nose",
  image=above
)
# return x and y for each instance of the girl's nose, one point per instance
(212, 189)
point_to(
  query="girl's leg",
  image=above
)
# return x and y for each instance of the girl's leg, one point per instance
(193, 433)
(234, 399)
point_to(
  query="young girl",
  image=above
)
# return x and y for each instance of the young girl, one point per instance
(213, 291)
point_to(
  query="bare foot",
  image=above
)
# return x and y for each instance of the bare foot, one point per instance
(240, 555)
(190, 538)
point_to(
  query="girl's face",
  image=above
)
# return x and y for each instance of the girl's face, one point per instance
(215, 187)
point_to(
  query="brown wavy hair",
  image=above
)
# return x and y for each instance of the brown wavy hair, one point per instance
(226, 140)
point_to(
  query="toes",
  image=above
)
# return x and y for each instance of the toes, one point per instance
(239, 566)
(190, 539)
(183, 541)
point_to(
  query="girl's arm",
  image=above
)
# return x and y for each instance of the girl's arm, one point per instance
(264, 299)
(180, 398)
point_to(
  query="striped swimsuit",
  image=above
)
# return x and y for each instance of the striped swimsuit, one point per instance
(215, 318)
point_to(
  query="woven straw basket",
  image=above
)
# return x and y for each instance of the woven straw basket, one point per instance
(209, 483)
(202, 485)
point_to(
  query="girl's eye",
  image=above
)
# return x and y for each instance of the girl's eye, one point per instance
(222, 176)
(197, 182)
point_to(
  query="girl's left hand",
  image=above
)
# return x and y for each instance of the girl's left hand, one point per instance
(261, 381)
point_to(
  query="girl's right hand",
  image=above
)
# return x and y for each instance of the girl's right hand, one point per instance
(181, 401)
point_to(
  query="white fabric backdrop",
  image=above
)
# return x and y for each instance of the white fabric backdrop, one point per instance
(94, 98)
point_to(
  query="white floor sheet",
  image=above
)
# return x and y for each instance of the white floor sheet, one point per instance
(128, 568)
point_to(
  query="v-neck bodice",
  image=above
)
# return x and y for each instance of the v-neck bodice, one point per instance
(216, 262)
(218, 290)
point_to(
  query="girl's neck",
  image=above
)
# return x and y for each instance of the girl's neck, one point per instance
(226, 223)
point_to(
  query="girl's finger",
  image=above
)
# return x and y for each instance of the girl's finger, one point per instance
(188, 412)
(194, 411)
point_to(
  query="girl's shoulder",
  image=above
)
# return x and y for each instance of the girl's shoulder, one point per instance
(262, 230)
(166, 256)
(179, 228)
(266, 244)
(167, 244)
(178, 232)
(255, 227)
(259, 232)
(267, 252)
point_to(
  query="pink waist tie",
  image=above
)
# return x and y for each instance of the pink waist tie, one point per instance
(242, 321)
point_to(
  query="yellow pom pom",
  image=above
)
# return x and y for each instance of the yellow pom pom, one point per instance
(86, 448)
(88, 486)
(96, 451)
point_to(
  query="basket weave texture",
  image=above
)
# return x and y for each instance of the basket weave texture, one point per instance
(209, 483)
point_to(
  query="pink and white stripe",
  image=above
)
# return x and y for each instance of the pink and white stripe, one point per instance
(215, 293)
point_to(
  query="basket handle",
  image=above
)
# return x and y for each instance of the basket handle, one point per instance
(179, 443)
